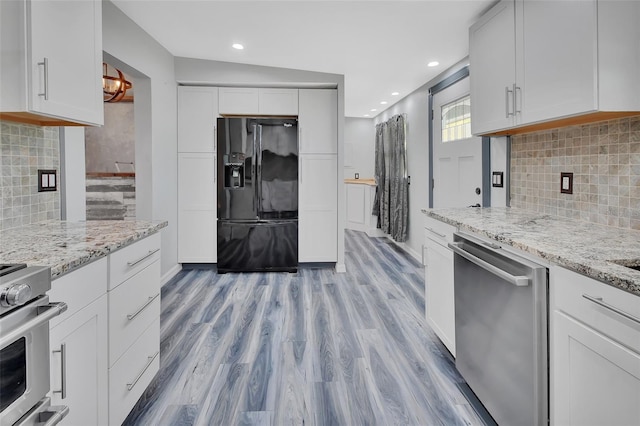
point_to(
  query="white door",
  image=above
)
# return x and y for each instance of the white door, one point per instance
(457, 156)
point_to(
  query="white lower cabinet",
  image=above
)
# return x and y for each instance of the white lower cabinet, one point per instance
(594, 353)
(105, 347)
(79, 365)
(439, 296)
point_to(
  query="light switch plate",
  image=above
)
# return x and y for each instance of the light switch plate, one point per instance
(47, 180)
(497, 179)
(566, 183)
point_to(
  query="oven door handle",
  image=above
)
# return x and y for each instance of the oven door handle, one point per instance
(50, 310)
(517, 280)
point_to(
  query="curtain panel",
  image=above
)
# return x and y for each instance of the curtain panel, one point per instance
(391, 203)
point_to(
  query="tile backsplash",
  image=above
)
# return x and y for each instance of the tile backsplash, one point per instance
(604, 158)
(23, 150)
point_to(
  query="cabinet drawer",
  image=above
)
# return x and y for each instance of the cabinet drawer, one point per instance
(79, 288)
(568, 290)
(438, 231)
(132, 307)
(130, 260)
(131, 375)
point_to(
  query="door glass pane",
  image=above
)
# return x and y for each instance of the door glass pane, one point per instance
(456, 120)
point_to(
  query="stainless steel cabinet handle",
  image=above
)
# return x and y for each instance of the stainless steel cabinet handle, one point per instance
(599, 301)
(51, 310)
(45, 64)
(63, 371)
(437, 233)
(516, 89)
(149, 361)
(519, 281)
(142, 308)
(506, 101)
(135, 262)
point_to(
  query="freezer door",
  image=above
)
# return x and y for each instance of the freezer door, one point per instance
(237, 196)
(263, 246)
(278, 168)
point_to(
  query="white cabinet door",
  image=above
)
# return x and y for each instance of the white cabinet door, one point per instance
(197, 208)
(79, 350)
(239, 100)
(197, 113)
(278, 101)
(492, 66)
(439, 297)
(65, 59)
(558, 63)
(594, 380)
(318, 121)
(318, 217)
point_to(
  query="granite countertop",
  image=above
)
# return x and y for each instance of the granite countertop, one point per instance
(584, 247)
(65, 246)
(370, 182)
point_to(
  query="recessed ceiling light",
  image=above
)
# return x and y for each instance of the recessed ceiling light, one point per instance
(433, 64)
(366, 115)
(395, 94)
(383, 103)
(237, 46)
(373, 110)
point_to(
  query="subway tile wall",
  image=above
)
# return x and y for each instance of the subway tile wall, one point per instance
(604, 158)
(23, 150)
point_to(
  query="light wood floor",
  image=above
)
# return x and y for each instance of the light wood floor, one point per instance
(312, 348)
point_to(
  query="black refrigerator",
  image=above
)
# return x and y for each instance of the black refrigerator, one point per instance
(257, 194)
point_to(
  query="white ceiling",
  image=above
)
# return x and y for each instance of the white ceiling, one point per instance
(380, 46)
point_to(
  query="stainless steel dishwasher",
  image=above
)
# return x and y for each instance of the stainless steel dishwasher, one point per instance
(501, 330)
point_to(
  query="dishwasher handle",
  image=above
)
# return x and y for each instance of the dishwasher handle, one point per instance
(517, 280)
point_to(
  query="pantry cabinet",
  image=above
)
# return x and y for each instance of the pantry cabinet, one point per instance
(197, 228)
(318, 121)
(258, 101)
(51, 62)
(594, 352)
(541, 61)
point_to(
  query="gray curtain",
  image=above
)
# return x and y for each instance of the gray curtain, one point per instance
(391, 203)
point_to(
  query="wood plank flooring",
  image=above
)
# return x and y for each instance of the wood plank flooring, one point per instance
(312, 348)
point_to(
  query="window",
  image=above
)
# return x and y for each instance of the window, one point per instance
(456, 120)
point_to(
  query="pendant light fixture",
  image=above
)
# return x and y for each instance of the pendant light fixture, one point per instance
(114, 85)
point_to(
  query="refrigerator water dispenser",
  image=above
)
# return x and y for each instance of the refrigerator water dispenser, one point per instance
(234, 170)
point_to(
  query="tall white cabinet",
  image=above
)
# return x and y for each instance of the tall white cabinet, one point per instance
(538, 61)
(197, 186)
(318, 176)
(51, 62)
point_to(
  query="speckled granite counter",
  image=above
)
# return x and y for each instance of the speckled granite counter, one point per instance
(65, 246)
(583, 247)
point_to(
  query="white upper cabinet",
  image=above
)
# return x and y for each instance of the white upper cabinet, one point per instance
(197, 113)
(540, 61)
(278, 101)
(258, 101)
(239, 101)
(51, 61)
(318, 121)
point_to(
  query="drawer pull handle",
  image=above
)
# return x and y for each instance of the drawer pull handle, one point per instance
(599, 301)
(63, 371)
(437, 233)
(149, 362)
(142, 308)
(151, 253)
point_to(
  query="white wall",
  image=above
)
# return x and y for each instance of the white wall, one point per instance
(359, 147)
(151, 66)
(416, 106)
(73, 201)
(217, 73)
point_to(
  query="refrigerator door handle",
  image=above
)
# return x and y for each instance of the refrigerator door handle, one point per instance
(258, 182)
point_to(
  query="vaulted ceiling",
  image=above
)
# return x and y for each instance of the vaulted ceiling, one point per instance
(380, 46)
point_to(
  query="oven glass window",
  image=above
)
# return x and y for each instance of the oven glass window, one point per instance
(13, 372)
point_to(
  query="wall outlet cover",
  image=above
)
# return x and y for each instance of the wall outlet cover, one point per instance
(566, 183)
(47, 180)
(497, 179)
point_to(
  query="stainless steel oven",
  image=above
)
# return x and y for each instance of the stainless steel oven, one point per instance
(25, 312)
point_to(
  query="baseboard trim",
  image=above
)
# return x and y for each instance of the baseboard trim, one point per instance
(170, 274)
(406, 248)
